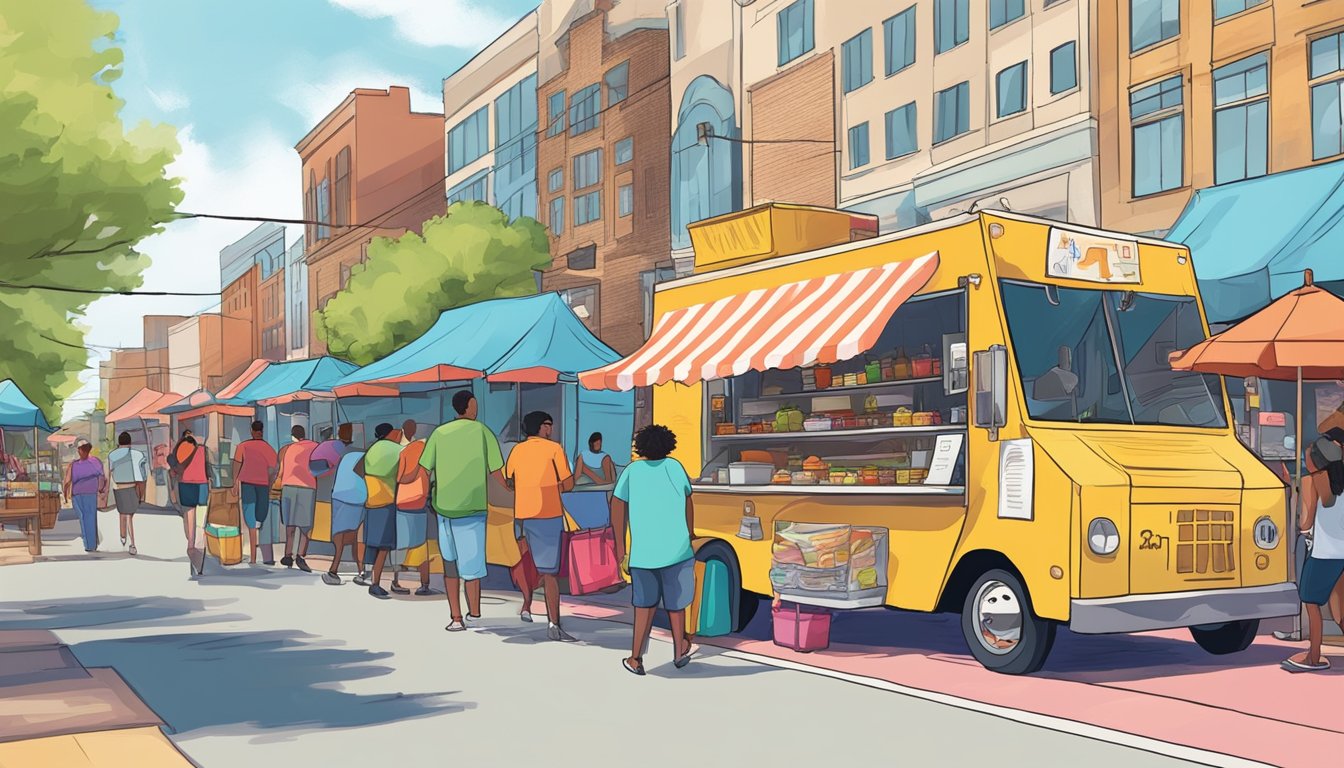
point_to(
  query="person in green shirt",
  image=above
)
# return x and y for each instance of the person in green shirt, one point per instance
(379, 470)
(463, 456)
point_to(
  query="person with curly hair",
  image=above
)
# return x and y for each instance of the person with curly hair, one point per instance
(653, 499)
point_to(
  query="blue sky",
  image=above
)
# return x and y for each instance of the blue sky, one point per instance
(243, 81)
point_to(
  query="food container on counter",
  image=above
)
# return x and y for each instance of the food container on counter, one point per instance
(921, 419)
(886, 476)
(861, 378)
(851, 379)
(782, 477)
(937, 417)
(750, 473)
(822, 374)
(721, 476)
(803, 478)
(852, 477)
(725, 428)
(902, 477)
(837, 475)
(817, 424)
(919, 475)
(903, 417)
(818, 469)
(873, 370)
(869, 476)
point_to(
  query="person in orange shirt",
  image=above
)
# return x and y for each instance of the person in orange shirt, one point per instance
(412, 506)
(540, 473)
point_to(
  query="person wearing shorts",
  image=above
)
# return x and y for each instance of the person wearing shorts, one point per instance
(254, 466)
(298, 496)
(129, 470)
(539, 471)
(193, 495)
(653, 499)
(349, 493)
(379, 470)
(412, 508)
(1322, 519)
(462, 456)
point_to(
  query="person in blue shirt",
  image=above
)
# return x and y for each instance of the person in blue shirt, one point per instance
(653, 499)
(349, 494)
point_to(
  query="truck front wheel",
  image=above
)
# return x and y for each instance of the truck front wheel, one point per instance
(1225, 638)
(1001, 629)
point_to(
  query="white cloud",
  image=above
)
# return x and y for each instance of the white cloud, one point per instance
(315, 98)
(468, 24)
(261, 181)
(168, 100)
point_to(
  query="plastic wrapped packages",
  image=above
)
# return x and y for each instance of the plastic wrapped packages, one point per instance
(837, 560)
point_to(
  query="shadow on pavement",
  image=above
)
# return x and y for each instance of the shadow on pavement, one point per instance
(199, 680)
(156, 612)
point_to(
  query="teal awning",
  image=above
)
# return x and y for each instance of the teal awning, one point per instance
(17, 411)
(1252, 239)
(294, 380)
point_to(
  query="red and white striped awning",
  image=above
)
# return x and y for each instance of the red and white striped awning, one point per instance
(822, 320)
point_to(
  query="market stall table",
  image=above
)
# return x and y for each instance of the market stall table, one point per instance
(30, 480)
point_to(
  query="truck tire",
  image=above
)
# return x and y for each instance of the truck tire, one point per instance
(1001, 629)
(1225, 638)
(743, 604)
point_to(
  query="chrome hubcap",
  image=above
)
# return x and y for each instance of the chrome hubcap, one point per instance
(998, 618)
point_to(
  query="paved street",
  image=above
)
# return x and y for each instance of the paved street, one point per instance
(276, 666)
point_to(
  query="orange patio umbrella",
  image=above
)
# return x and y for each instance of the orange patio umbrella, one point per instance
(1300, 336)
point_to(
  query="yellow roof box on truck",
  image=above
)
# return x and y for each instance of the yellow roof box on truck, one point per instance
(773, 229)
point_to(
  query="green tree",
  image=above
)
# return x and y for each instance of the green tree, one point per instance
(469, 254)
(78, 191)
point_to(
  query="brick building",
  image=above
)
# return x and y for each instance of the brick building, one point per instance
(602, 169)
(127, 371)
(371, 161)
(251, 271)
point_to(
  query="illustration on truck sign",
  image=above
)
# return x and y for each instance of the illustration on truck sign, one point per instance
(1100, 260)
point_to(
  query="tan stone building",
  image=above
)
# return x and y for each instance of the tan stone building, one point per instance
(602, 169)
(1194, 94)
(374, 163)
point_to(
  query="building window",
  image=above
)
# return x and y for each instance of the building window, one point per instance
(1152, 21)
(469, 139)
(558, 216)
(625, 200)
(584, 303)
(1158, 136)
(899, 39)
(584, 109)
(858, 146)
(1327, 97)
(1064, 68)
(1011, 88)
(515, 171)
(618, 83)
(679, 43)
(343, 186)
(951, 24)
(858, 55)
(1224, 8)
(902, 124)
(581, 258)
(587, 208)
(473, 188)
(1241, 119)
(952, 112)
(324, 209)
(625, 151)
(1002, 12)
(647, 281)
(587, 169)
(555, 114)
(794, 27)
(555, 180)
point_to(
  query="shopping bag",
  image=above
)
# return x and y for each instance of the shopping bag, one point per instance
(714, 617)
(321, 522)
(529, 570)
(801, 628)
(501, 543)
(591, 561)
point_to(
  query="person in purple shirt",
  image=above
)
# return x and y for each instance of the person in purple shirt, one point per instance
(84, 481)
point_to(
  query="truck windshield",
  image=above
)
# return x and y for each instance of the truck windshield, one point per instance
(1100, 357)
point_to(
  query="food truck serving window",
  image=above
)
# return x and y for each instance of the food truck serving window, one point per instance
(878, 419)
(1100, 357)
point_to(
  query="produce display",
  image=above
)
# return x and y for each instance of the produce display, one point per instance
(840, 559)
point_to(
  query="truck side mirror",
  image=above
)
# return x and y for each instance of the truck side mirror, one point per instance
(991, 389)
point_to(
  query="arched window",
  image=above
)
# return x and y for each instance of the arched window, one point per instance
(706, 177)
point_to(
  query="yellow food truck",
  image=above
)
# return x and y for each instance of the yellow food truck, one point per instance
(976, 415)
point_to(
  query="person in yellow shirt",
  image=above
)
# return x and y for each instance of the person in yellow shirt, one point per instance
(540, 472)
(379, 470)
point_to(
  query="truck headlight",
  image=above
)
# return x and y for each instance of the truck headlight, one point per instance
(1103, 537)
(1266, 533)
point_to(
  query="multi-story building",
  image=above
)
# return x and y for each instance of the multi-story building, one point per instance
(603, 176)
(157, 363)
(371, 168)
(204, 352)
(251, 273)
(296, 297)
(1196, 94)
(490, 124)
(129, 370)
(915, 110)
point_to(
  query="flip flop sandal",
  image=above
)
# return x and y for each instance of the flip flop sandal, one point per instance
(684, 659)
(632, 669)
(1298, 666)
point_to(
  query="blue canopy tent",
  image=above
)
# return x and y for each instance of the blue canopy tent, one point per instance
(1252, 239)
(28, 480)
(515, 354)
(17, 411)
(284, 393)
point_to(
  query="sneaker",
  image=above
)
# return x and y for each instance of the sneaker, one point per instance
(303, 566)
(133, 551)
(399, 590)
(554, 632)
(456, 626)
(123, 541)
(473, 620)
(268, 562)
(287, 561)
(424, 592)
(331, 578)
(378, 592)
(525, 616)
(363, 580)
